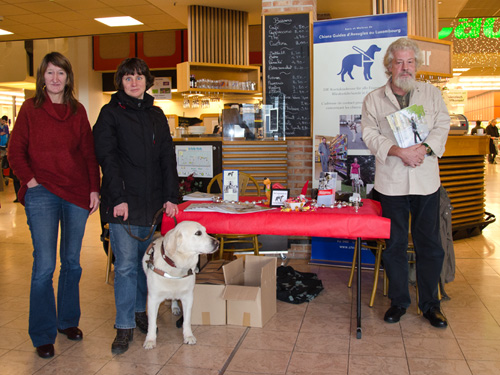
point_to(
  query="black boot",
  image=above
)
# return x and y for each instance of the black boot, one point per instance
(123, 337)
(141, 321)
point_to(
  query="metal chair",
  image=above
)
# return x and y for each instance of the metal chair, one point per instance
(233, 243)
(379, 248)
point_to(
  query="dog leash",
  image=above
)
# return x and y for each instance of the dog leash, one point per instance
(151, 230)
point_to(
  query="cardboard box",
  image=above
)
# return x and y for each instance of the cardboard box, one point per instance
(209, 306)
(250, 290)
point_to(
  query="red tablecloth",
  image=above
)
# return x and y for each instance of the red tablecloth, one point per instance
(345, 222)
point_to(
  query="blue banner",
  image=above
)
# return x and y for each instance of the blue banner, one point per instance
(393, 25)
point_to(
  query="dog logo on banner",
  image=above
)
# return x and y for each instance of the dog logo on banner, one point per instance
(362, 58)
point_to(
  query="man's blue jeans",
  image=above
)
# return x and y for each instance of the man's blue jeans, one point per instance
(45, 212)
(429, 251)
(130, 281)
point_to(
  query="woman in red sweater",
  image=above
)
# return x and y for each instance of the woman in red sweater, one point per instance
(51, 151)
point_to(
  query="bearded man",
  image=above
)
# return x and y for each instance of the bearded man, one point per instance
(407, 180)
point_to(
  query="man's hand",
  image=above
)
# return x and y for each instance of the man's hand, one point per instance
(121, 210)
(412, 156)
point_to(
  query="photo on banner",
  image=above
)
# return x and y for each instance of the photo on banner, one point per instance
(348, 64)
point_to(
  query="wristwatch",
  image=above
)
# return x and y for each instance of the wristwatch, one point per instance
(428, 149)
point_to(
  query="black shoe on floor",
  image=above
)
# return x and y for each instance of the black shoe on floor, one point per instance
(73, 333)
(394, 314)
(436, 317)
(45, 351)
(122, 339)
(141, 321)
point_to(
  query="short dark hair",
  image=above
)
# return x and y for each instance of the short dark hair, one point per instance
(5, 118)
(132, 66)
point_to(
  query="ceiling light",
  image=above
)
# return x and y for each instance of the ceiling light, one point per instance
(5, 32)
(461, 69)
(119, 21)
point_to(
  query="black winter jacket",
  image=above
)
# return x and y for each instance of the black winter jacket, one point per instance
(135, 150)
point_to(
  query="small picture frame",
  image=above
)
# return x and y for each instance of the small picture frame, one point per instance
(278, 197)
(230, 188)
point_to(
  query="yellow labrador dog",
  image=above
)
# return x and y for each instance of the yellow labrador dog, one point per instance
(170, 265)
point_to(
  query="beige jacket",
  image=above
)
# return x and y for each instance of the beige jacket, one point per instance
(392, 177)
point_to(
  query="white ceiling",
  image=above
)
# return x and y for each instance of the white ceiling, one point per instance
(41, 19)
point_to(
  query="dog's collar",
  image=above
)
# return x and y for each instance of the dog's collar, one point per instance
(165, 257)
(170, 262)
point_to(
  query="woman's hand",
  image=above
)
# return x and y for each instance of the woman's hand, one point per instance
(32, 183)
(171, 209)
(94, 202)
(121, 210)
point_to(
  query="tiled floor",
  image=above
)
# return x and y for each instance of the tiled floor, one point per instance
(314, 338)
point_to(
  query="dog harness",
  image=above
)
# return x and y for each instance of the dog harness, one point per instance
(170, 262)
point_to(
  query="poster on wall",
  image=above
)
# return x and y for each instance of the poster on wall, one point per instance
(162, 88)
(348, 64)
(194, 159)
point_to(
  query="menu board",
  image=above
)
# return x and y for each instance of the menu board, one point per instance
(287, 68)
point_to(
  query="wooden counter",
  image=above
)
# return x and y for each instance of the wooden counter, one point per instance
(200, 138)
(462, 171)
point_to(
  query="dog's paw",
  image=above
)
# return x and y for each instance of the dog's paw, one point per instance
(176, 310)
(149, 344)
(190, 340)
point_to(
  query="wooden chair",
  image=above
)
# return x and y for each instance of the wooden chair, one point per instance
(233, 243)
(109, 261)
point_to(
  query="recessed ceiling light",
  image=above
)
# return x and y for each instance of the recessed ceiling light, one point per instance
(119, 21)
(5, 32)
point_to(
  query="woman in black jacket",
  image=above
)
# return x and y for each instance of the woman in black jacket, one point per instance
(135, 150)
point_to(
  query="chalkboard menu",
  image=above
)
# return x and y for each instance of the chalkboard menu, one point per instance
(287, 69)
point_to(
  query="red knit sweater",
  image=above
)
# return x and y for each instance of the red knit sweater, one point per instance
(56, 147)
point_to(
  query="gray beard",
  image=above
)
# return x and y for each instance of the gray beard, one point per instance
(405, 84)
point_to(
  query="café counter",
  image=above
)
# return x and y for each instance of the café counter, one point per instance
(462, 172)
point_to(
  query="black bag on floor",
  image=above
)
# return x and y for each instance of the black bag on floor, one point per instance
(296, 287)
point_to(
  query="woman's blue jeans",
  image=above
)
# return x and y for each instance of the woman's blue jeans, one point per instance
(130, 280)
(45, 212)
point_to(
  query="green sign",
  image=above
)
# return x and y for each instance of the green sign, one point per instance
(471, 28)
